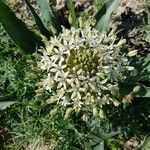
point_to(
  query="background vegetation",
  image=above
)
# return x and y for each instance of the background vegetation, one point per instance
(27, 121)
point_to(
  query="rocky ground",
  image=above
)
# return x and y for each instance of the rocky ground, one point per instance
(129, 15)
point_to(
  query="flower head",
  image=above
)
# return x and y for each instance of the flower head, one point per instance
(80, 67)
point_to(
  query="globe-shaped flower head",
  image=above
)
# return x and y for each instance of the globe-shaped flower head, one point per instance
(80, 67)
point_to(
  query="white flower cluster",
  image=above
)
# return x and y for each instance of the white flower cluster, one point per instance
(81, 69)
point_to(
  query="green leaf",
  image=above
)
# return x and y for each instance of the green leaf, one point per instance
(135, 89)
(146, 65)
(147, 38)
(146, 144)
(144, 92)
(4, 105)
(48, 17)
(100, 146)
(25, 39)
(104, 15)
(39, 22)
(7, 100)
(94, 145)
(141, 73)
(101, 12)
(148, 12)
(73, 19)
(100, 131)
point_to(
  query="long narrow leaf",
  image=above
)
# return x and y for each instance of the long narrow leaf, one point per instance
(74, 20)
(105, 14)
(4, 105)
(39, 22)
(25, 39)
(7, 100)
(48, 17)
(146, 144)
(101, 12)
